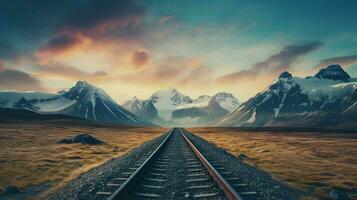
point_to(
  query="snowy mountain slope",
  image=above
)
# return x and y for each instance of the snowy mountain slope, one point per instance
(83, 100)
(174, 108)
(143, 108)
(294, 101)
(10, 98)
(165, 101)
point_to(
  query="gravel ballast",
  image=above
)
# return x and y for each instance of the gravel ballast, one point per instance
(88, 184)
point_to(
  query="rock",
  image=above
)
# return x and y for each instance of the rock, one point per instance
(338, 194)
(81, 138)
(334, 72)
(116, 149)
(13, 190)
(285, 75)
(242, 156)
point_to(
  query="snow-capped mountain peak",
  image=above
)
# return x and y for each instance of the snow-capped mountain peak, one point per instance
(85, 92)
(298, 101)
(202, 98)
(169, 97)
(174, 108)
(334, 72)
(82, 100)
(226, 100)
(285, 74)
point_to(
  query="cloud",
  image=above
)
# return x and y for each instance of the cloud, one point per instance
(275, 64)
(173, 71)
(19, 80)
(101, 15)
(342, 60)
(65, 14)
(30, 23)
(61, 43)
(56, 69)
(140, 58)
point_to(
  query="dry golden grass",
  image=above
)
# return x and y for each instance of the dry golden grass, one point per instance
(310, 161)
(30, 154)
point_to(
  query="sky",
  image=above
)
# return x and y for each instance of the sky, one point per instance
(134, 48)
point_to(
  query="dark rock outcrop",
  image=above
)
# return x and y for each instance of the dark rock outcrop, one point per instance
(285, 75)
(334, 72)
(81, 138)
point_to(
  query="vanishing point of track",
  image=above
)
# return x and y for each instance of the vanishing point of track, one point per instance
(176, 170)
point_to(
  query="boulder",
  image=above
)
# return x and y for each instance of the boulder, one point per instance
(81, 138)
(242, 156)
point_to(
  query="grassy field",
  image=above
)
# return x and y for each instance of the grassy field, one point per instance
(30, 154)
(312, 162)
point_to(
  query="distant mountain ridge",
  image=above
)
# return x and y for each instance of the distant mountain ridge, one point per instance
(171, 107)
(325, 99)
(82, 100)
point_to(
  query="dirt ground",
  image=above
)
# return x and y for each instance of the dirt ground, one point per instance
(313, 162)
(30, 155)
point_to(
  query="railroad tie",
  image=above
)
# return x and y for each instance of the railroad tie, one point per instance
(155, 179)
(197, 180)
(121, 179)
(159, 169)
(103, 193)
(205, 195)
(113, 184)
(240, 185)
(199, 186)
(159, 165)
(195, 170)
(158, 174)
(148, 195)
(248, 193)
(189, 166)
(162, 162)
(197, 174)
(152, 186)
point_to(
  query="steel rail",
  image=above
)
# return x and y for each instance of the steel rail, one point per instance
(124, 188)
(222, 183)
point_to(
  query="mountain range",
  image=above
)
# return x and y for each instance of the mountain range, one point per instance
(327, 99)
(170, 107)
(82, 100)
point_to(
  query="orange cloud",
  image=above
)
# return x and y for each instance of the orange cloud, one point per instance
(173, 71)
(60, 70)
(63, 44)
(140, 58)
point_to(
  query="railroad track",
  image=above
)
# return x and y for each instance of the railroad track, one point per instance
(176, 170)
